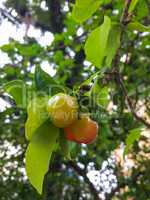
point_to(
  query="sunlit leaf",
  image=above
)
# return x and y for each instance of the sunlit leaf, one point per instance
(95, 46)
(37, 115)
(39, 153)
(132, 5)
(83, 9)
(113, 44)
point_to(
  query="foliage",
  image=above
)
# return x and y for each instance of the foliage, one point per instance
(113, 88)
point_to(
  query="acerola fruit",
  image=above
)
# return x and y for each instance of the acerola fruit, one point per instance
(62, 109)
(83, 130)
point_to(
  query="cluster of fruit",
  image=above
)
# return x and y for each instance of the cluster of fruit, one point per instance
(63, 111)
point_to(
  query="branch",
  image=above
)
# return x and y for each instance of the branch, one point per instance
(82, 173)
(125, 19)
(125, 16)
(14, 20)
(129, 101)
(56, 15)
(18, 20)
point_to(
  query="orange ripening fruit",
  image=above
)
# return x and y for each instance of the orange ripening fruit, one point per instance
(83, 130)
(62, 109)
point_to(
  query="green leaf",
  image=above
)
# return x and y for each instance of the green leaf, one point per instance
(17, 89)
(142, 9)
(100, 94)
(138, 27)
(29, 50)
(132, 5)
(39, 153)
(9, 70)
(133, 136)
(95, 46)
(46, 83)
(113, 44)
(103, 99)
(83, 9)
(8, 47)
(37, 115)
